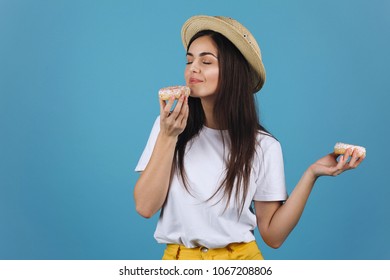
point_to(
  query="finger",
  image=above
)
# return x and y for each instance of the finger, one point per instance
(359, 160)
(162, 105)
(175, 113)
(344, 157)
(166, 106)
(354, 159)
(185, 112)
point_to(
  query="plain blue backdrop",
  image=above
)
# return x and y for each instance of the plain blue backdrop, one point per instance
(78, 96)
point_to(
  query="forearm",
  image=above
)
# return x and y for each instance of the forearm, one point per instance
(276, 221)
(152, 187)
(288, 214)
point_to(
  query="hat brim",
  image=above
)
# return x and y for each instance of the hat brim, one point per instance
(238, 35)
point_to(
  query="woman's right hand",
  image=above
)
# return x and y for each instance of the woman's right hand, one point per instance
(172, 123)
(151, 188)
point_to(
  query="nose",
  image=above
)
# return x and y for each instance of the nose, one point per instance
(194, 68)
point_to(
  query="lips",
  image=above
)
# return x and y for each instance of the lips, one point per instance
(194, 81)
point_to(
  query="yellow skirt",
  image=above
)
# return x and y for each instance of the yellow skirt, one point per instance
(234, 251)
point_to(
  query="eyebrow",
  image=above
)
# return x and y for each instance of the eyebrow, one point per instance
(203, 54)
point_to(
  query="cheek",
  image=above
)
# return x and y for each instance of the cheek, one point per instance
(186, 74)
(214, 75)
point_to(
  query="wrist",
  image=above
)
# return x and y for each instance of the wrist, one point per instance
(311, 173)
(167, 139)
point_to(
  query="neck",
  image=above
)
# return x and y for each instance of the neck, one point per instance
(208, 108)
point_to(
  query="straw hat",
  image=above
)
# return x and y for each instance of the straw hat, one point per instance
(236, 33)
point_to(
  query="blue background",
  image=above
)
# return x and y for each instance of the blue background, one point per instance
(78, 96)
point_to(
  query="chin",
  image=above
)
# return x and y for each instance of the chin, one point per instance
(199, 93)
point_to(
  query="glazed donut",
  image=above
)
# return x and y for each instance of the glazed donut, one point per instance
(340, 148)
(167, 92)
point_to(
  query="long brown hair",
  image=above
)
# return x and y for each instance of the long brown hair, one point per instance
(235, 111)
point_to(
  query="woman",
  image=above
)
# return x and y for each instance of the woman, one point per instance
(209, 159)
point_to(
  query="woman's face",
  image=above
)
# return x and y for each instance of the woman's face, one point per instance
(202, 70)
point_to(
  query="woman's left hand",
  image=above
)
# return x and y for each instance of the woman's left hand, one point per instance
(330, 166)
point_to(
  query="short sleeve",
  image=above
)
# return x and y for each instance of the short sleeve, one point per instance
(146, 154)
(271, 185)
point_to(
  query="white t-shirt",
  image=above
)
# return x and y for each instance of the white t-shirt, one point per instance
(191, 219)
